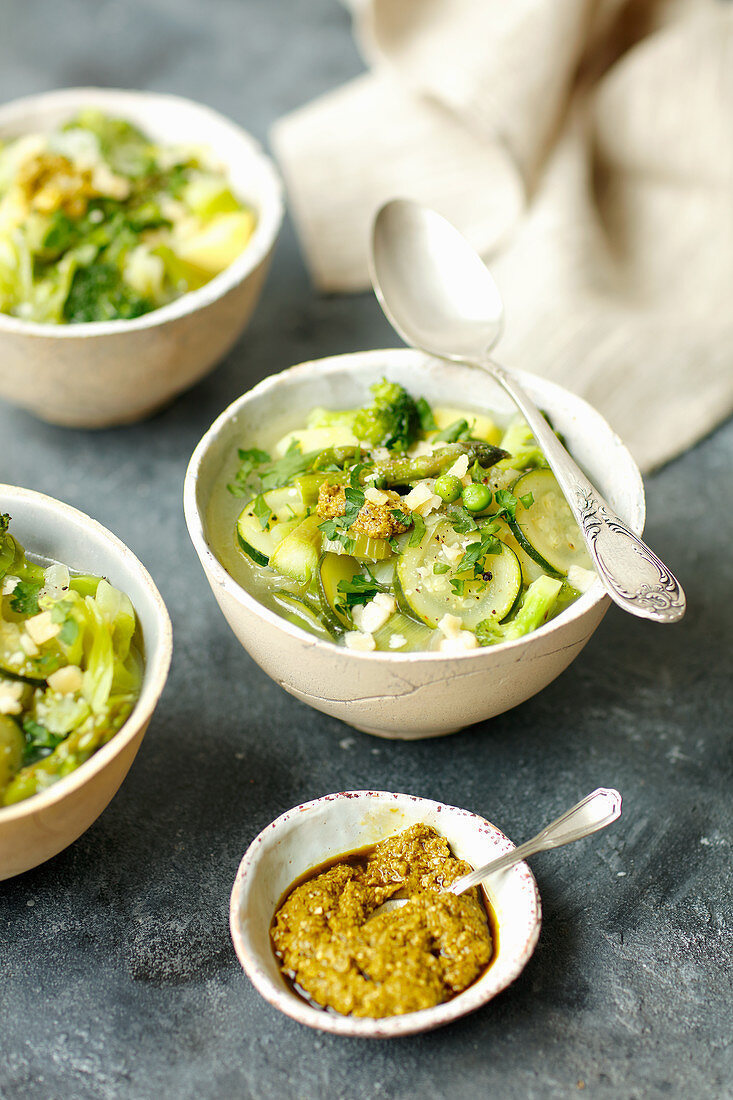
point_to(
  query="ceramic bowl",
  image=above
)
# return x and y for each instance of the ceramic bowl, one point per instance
(36, 829)
(308, 835)
(115, 372)
(400, 695)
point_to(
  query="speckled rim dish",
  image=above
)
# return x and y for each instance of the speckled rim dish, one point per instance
(17, 118)
(156, 660)
(315, 831)
(195, 521)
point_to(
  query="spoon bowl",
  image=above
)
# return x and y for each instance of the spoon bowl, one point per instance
(450, 304)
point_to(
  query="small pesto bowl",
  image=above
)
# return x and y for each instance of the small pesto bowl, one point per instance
(310, 834)
(116, 372)
(402, 695)
(41, 826)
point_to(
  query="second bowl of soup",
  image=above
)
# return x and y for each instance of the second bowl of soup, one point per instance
(387, 541)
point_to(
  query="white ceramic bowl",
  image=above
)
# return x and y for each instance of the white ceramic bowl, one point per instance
(115, 372)
(36, 829)
(308, 835)
(403, 695)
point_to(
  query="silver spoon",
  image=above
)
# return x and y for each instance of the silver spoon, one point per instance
(594, 812)
(439, 296)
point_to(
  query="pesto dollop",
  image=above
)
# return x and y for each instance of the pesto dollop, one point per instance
(333, 947)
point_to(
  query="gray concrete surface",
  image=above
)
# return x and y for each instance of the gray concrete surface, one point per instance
(117, 976)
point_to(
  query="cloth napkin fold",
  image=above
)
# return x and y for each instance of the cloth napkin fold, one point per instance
(585, 147)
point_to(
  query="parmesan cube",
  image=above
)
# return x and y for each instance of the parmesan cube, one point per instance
(450, 625)
(375, 496)
(9, 585)
(580, 578)
(459, 468)
(42, 628)
(371, 616)
(362, 643)
(10, 694)
(397, 641)
(66, 680)
(452, 554)
(459, 643)
(422, 447)
(28, 646)
(422, 500)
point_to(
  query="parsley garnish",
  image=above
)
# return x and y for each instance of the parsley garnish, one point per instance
(336, 529)
(289, 466)
(507, 502)
(39, 741)
(69, 632)
(461, 519)
(24, 597)
(355, 475)
(250, 461)
(475, 553)
(453, 432)
(441, 567)
(360, 589)
(419, 530)
(401, 517)
(261, 511)
(458, 587)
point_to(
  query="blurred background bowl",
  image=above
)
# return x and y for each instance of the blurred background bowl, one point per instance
(115, 372)
(403, 695)
(36, 829)
(308, 835)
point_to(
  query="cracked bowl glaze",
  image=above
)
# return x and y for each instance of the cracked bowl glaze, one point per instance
(38, 828)
(404, 695)
(308, 835)
(116, 372)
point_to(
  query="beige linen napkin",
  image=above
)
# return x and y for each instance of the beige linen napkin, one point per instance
(585, 147)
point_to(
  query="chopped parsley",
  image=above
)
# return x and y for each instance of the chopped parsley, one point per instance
(24, 597)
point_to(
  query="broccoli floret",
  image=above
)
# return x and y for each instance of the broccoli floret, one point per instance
(98, 293)
(537, 605)
(392, 421)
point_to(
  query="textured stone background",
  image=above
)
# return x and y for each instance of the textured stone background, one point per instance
(117, 976)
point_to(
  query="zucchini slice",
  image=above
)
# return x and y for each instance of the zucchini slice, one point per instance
(302, 613)
(416, 634)
(333, 568)
(286, 508)
(547, 530)
(296, 555)
(428, 596)
(531, 569)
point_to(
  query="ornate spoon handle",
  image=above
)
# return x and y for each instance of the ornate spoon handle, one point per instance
(633, 575)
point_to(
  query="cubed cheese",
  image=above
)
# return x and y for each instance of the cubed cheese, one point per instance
(459, 468)
(66, 680)
(10, 695)
(459, 643)
(362, 643)
(421, 499)
(371, 616)
(42, 627)
(375, 496)
(580, 578)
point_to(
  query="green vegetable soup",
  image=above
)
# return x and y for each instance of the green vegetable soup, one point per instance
(70, 669)
(98, 223)
(401, 527)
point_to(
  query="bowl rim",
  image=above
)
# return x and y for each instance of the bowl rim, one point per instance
(472, 998)
(218, 575)
(270, 212)
(157, 664)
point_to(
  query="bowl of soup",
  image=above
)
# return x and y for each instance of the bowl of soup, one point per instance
(136, 231)
(411, 589)
(85, 648)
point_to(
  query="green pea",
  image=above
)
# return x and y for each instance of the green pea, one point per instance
(448, 488)
(476, 497)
